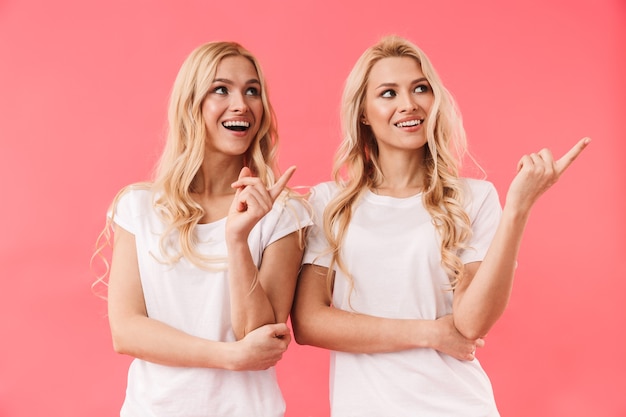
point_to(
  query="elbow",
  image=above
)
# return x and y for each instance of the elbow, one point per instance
(300, 337)
(475, 324)
(471, 331)
(122, 340)
(119, 344)
(241, 331)
(300, 333)
(119, 348)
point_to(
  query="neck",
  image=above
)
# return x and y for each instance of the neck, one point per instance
(402, 177)
(216, 176)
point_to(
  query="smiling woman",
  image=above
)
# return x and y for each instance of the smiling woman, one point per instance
(398, 99)
(419, 260)
(233, 107)
(205, 257)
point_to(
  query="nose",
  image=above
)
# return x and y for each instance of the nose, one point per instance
(408, 104)
(239, 103)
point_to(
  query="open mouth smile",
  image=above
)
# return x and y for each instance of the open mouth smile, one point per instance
(236, 125)
(410, 123)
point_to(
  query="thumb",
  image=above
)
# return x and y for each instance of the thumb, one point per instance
(280, 330)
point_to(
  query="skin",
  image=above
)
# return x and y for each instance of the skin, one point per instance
(396, 92)
(484, 292)
(260, 298)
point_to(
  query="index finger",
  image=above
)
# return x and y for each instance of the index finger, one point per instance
(278, 187)
(567, 159)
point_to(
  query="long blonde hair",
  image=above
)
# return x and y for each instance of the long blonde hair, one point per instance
(356, 166)
(177, 171)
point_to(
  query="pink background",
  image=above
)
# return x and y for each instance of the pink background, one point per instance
(83, 93)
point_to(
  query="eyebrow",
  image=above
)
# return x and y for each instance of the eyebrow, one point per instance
(227, 81)
(419, 80)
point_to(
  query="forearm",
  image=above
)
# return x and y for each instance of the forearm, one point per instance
(315, 322)
(155, 341)
(483, 301)
(485, 298)
(250, 305)
(335, 329)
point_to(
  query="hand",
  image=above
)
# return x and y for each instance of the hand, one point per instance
(262, 348)
(252, 201)
(537, 172)
(453, 343)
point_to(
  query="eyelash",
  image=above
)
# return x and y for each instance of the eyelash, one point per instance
(423, 87)
(251, 91)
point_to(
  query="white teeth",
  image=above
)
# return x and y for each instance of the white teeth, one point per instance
(409, 123)
(236, 123)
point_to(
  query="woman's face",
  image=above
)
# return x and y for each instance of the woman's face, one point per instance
(398, 99)
(233, 108)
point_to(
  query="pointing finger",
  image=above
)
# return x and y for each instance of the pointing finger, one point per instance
(567, 159)
(245, 172)
(277, 188)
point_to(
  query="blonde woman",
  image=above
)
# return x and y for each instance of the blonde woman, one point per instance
(205, 257)
(408, 265)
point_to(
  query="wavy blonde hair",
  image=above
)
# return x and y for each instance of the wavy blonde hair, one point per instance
(177, 171)
(356, 166)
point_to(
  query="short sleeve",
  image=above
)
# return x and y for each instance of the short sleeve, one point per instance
(293, 215)
(485, 212)
(317, 248)
(123, 212)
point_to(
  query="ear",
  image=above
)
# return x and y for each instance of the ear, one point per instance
(364, 120)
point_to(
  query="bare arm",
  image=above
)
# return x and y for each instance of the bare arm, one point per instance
(485, 289)
(315, 322)
(135, 334)
(271, 296)
(259, 296)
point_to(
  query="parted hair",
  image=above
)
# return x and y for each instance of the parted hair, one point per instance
(356, 166)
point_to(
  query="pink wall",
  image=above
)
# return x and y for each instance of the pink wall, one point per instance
(83, 92)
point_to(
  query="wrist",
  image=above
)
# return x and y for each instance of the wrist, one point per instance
(236, 243)
(232, 356)
(425, 333)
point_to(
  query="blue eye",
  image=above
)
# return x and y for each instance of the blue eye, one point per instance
(253, 91)
(388, 94)
(220, 90)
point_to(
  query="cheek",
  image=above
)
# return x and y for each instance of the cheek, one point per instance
(209, 111)
(378, 114)
(257, 110)
(428, 103)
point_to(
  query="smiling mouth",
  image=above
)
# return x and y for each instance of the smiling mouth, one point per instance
(237, 125)
(410, 123)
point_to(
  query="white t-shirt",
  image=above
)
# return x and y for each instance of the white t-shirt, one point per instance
(392, 250)
(197, 302)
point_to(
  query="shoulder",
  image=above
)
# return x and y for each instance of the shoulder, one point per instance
(136, 196)
(480, 195)
(478, 189)
(133, 201)
(478, 186)
(324, 191)
(290, 202)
